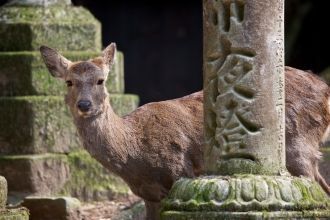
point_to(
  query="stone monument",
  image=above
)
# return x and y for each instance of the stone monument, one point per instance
(244, 123)
(40, 153)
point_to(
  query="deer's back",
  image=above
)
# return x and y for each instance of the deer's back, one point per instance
(307, 120)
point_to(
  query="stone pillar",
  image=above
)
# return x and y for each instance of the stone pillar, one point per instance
(244, 122)
(40, 152)
(244, 86)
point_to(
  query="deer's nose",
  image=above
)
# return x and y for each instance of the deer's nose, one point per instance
(84, 105)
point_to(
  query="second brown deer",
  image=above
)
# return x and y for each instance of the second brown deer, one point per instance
(158, 143)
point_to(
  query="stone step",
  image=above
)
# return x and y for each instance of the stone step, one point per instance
(76, 174)
(14, 214)
(24, 73)
(43, 124)
(51, 208)
(42, 174)
(66, 28)
(90, 181)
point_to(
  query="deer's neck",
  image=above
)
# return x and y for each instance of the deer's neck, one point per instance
(107, 138)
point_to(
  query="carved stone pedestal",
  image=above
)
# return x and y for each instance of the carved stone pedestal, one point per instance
(246, 197)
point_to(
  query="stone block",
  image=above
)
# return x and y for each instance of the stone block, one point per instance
(90, 181)
(66, 28)
(76, 174)
(24, 73)
(50, 208)
(14, 214)
(42, 174)
(43, 124)
(3, 192)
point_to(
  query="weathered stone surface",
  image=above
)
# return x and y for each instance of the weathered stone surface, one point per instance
(76, 174)
(39, 2)
(244, 86)
(325, 164)
(51, 208)
(242, 193)
(137, 212)
(35, 174)
(3, 192)
(14, 214)
(24, 73)
(65, 28)
(317, 214)
(43, 124)
(90, 181)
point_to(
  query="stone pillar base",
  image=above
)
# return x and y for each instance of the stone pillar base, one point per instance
(319, 214)
(246, 197)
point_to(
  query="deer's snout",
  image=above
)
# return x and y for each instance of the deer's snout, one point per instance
(84, 105)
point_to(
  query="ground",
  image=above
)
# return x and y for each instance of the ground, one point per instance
(111, 210)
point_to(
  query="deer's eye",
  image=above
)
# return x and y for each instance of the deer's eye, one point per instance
(100, 81)
(68, 83)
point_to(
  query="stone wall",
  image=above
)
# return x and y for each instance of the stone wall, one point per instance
(40, 152)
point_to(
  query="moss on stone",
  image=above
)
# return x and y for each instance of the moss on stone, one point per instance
(14, 214)
(41, 174)
(243, 166)
(3, 192)
(41, 124)
(36, 124)
(137, 211)
(31, 77)
(245, 193)
(251, 215)
(65, 27)
(90, 181)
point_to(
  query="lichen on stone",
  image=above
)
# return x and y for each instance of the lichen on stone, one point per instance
(90, 181)
(246, 193)
(26, 28)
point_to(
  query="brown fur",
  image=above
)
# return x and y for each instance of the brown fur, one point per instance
(307, 121)
(160, 142)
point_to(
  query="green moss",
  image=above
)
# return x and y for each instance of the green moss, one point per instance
(34, 174)
(67, 28)
(53, 14)
(124, 104)
(31, 77)
(43, 124)
(251, 215)
(90, 180)
(135, 212)
(243, 166)
(33, 124)
(224, 193)
(14, 214)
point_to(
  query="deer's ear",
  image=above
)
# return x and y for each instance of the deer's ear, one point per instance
(55, 62)
(109, 54)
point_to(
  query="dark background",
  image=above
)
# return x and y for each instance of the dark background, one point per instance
(162, 41)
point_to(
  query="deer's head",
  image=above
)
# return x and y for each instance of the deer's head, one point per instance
(86, 93)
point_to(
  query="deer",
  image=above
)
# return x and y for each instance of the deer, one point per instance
(160, 142)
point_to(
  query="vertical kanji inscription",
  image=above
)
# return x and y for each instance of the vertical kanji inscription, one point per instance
(230, 96)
